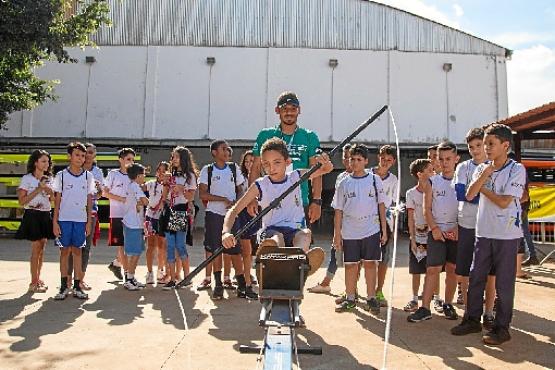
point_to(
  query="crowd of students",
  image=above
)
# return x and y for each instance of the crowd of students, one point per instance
(464, 219)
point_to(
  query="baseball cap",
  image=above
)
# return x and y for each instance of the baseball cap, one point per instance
(288, 97)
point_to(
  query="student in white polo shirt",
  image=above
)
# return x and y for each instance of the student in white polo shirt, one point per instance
(440, 210)
(74, 188)
(220, 190)
(500, 184)
(115, 187)
(360, 227)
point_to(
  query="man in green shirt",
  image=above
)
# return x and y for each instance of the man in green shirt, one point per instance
(302, 145)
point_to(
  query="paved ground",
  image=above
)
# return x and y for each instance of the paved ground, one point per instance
(187, 330)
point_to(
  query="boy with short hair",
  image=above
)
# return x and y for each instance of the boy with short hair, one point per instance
(285, 225)
(432, 156)
(468, 209)
(386, 159)
(220, 197)
(360, 227)
(115, 188)
(500, 184)
(133, 224)
(440, 210)
(422, 170)
(74, 188)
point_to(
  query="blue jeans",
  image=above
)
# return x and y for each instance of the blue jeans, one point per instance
(176, 240)
(332, 267)
(528, 242)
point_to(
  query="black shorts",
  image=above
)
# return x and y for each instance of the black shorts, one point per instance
(416, 267)
(155, 224)
(367, 249)
(213, 226)
(465, 250)
(115, 234)
(439, 253)
(35, 225)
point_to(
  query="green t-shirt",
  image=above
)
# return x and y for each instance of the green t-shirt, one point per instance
(302, 146)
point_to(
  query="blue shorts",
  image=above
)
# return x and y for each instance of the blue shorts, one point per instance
(73, 234)
(133, 241)
(287, 232)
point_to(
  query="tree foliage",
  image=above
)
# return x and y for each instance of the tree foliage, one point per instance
(33, 31)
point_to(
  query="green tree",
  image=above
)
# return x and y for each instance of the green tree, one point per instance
(33, 31)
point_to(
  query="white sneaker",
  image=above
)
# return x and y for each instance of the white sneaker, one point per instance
(130, 286)
(318, 288)
(62, 294)
(78, 293)
(150, 277)
(138, 284)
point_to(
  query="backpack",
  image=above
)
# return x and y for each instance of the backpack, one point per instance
(233, 168)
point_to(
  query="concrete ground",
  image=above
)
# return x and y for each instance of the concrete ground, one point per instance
(185, 329)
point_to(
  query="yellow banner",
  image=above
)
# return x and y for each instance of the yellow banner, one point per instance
(542, 204)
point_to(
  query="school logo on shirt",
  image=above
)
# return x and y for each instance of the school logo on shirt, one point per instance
(351, 194)
(440, 193)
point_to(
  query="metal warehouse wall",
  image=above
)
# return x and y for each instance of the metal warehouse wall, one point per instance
(173, 93)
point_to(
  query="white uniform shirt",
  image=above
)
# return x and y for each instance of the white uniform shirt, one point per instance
(357, 198)
(98, 179)
(445, 206)
(467, 210)
(221, 185)
(415, 201)
(389, 188)
(154, 189)
(494, 222)
(73, 205)
(41, 201)
(290, 211)
(117, 182)
(133, 218)
(181, 180)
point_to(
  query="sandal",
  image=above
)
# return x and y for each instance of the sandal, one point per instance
(524, 277)
(85, 286)
(227, 284)
(204, 284)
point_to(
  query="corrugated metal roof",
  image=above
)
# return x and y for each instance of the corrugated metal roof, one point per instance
(540, 118)
(317, 24)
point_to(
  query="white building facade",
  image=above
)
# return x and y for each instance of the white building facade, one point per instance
(200, 70)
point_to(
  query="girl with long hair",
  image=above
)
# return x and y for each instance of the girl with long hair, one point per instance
(34, 194)
(181, 191)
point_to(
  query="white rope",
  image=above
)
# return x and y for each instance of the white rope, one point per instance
(398, 209)
(185, 334)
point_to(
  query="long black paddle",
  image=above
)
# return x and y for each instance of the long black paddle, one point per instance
(276, 201)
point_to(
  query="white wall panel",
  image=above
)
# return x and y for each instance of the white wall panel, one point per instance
(238, 93)
(65, 117)
(117, 93)
(181, 93)
(417, 96)
(360, 89)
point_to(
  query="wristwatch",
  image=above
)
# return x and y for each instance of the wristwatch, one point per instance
(317, 201)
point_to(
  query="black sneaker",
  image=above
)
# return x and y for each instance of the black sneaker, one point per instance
(169, 285)
(247, 293)
(420, 315)
(449, 311)
(532, 261)
(488, 322)
(373, 306)
(115, 270)
(496, 336)
(218, 292)
(467, 326)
